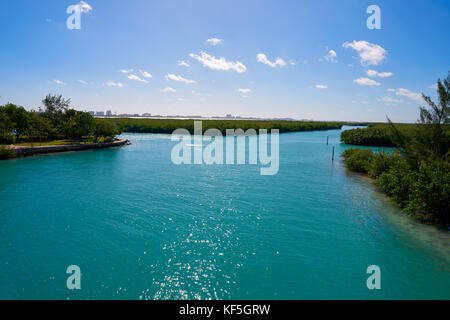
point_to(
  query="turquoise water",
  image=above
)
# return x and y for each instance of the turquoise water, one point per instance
(140, 227)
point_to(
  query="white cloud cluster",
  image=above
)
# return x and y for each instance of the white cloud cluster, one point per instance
(389, 100)
(261, 57)
(366, 82)
(136, 78)
(183, 63)
(145, 74)
(219, 63)
(114, 84)
(82, 81)
(59, 82)
(168, 89)
(214, 41)
(84, 7)
(331, 56)
(126, 71)
(406, 93)
(321, 86)
(245, 91)
(374, 73)
(369, 53)
(175, 77)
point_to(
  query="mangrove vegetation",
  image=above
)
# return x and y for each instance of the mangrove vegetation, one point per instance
(416, 174)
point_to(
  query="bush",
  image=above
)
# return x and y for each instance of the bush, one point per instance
(398, 180)
(358, 160)
(430, 193)
(377, 136)
(6, 153)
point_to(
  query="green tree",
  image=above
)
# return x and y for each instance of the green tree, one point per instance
(55, 108)
(104, 128)
(85, 125)
(6, 127)
(430, 139)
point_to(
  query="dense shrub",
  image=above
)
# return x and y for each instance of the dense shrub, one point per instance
(377, 136)
(358, 160)
(424, 193)
(6, 153)
(169, 125)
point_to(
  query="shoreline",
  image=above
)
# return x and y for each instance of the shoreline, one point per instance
(23, 152)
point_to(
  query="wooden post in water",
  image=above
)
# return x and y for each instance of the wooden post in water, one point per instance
(327, 140)
(332, 158)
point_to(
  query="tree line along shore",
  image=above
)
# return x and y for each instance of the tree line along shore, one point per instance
(416, 173)
(59, 124)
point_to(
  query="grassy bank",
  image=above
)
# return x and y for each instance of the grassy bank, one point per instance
(169, 125)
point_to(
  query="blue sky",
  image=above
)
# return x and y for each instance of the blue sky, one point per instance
(300, 59)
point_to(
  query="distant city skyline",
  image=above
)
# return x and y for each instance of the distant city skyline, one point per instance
(262, 59)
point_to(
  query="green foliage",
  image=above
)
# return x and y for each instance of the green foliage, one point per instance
(169, 125)
(6, 153)
(430, 192)
(377, 136)
(56, 123)
(431, 135)
(417, 175)
(105, 129)
(358, 160)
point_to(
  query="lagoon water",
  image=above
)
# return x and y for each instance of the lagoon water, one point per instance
(140, 227)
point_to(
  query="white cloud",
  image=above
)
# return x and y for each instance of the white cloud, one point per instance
(126, 71)
(409, 94)
(145, 74)
(366, 82)
(214, 41)
(374, 73)
(136, 78)
(168, 89)
(218, 63)
(434, 86)
(246, 90)
(390, 90)
(389, 100)
(183, 63)
(321, 86)
(261, 57)
(369, 53)
(114, 84)
(174, 77)
(82, 81)
(331, 56)
(59, 82)
(84, 7)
